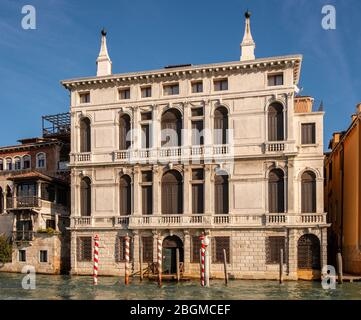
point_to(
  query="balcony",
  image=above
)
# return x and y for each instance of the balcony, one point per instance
(276, 147)
(23, 202)
(23, 236)
(179, 154)
(199, 221)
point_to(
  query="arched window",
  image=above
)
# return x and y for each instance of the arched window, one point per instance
(125, 195)
(124, 129)
(171, 128)
(85, 135)
(1, 201)
(26, 162)
(220, 125)
(17, 163)
(308, 190)
(276, 191)
(221, 194)
(1, 164)
(172, 193)
(40, 160)
(85, 197)
(275, 122)
(9, 164)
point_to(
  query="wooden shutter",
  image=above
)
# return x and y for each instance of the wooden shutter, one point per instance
(220, 125)
(145, 136)
(308, 133)
(85, 197)
(308, 190)
(197, 135)
(85, 135)
(125, 196)
(221, 194)
(198, 198)
(124, 128)
(275, 123)
(147, 200)
(172, 193)
(276, 192)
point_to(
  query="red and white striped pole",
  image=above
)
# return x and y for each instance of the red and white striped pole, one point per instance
(160, 256)
(203, 253)
(96, 259)
(127, 251)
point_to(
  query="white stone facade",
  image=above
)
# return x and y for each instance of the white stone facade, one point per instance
(248, 159)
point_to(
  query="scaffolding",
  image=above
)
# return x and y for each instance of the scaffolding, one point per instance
(56, 125)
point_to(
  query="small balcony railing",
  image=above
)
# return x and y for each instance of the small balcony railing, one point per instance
(83, 157)
(22, 202)
(20, 236)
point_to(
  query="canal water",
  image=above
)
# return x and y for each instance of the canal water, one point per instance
(81, 288)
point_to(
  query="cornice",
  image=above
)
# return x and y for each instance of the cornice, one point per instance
(117, 79)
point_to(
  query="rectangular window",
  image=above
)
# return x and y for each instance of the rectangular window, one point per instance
(84, 248)
(221, 85)
(146, 92)
(124, 94)
(218, 245)
(197, 133)
(275, 80)
(330, 171)
(197, 86)
(197, 191)
(273, 249)
(147, 200)
(308, 133)
(147, 249)
(22, 256)
(1, 165)
(171, 89)
(84, 97)
(50, 223)
(146, 116)
(120, 252)
(196, 247)
(146, 141)
(197, 112)
(43, 256)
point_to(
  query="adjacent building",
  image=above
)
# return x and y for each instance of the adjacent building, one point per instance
(226, 149)
(34, 199)
(343, 194)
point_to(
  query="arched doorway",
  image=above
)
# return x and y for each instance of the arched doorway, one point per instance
(171, 245)
(171, 125)
(308, 257)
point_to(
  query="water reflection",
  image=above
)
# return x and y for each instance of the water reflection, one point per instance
(110, 288)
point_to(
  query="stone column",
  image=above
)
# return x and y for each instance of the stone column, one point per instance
(187, 251)
(155, 245)
(73, 253)
(136, 241)
(323, 247)
(292, 253)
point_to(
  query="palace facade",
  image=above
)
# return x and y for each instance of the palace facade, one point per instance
(252, 182)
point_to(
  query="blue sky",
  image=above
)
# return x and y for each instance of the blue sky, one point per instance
(150, 34)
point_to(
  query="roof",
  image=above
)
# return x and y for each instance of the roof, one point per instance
(294, 60)
(27, 144)
(35, 175)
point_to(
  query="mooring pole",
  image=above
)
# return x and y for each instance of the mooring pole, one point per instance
(339, 268)
(177, 262)
(203, 253)
(141, 259)
(96, 260)
(200, 264)
(160, 255)
(127, 251)
(281, 266)
(225, 266)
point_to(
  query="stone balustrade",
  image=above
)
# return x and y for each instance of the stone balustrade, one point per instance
(199, 221)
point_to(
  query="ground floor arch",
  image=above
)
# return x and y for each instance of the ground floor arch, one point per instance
(309, 256)
(171, 245)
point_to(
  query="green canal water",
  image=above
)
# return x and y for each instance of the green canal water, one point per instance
(81, 288)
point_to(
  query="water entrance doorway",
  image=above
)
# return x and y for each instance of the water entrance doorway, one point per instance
(170, 246)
